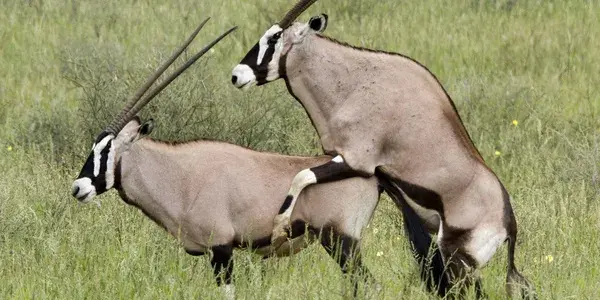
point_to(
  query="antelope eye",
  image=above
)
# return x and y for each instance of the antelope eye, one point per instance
(273, 39)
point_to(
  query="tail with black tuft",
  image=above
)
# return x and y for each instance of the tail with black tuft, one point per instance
(432, 265)
(517, 286)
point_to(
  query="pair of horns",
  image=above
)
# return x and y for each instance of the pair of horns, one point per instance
(298, 9)
(134, 104)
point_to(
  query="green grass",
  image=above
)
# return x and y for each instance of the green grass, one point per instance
(65, 67)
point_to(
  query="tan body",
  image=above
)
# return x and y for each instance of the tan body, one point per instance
(211, 193)
(422, 140)
(394, 116)
(216, 196)
(385, 114)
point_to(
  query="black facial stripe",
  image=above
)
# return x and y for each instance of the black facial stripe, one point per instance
(88, 167)
(268, 56)
(274, 38)
(104, 158)
(251, 57)
(260, 71)
(99, 182)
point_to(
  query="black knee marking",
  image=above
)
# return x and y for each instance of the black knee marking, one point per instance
(334, 171)
(286, 204)
(453, 242)
(222, 259)
(458, 261)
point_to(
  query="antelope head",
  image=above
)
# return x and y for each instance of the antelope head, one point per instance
(98, 172)
(265, 62)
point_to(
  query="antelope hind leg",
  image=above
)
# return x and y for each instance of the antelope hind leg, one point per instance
(345, 250)
(334, 170)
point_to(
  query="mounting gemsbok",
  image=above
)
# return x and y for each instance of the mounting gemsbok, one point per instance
(383, 113)
(215, 196)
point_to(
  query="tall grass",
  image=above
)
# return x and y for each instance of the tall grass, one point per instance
(66, 66)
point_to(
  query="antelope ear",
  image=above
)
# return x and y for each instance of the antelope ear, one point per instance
(146, 128)
(318, 23)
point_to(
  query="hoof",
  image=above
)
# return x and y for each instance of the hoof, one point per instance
(277, 242)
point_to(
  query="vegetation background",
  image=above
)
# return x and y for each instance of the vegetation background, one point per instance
(523, 74)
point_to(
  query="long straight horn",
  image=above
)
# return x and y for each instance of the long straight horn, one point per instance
(138, 106)
(298, 9)
(120, 121)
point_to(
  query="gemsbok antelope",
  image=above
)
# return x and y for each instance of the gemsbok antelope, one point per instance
(386, 114)
(215, 196)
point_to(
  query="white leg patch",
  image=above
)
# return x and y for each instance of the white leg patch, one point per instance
(303, 179)
(484, 242)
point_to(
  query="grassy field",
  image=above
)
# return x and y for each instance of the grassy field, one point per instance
(523, 74)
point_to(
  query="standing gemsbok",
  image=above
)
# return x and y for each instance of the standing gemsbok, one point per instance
(216, 196)
(383, 113)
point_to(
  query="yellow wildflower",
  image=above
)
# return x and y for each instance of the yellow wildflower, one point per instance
(379, 253)
(9, 148)
(549, 258)
(515, 122)
(497, 153)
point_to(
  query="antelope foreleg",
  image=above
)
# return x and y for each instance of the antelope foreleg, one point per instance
(333, 170)
(222, 264)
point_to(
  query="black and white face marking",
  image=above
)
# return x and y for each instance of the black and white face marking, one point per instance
(97, 174)
(261, 64)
